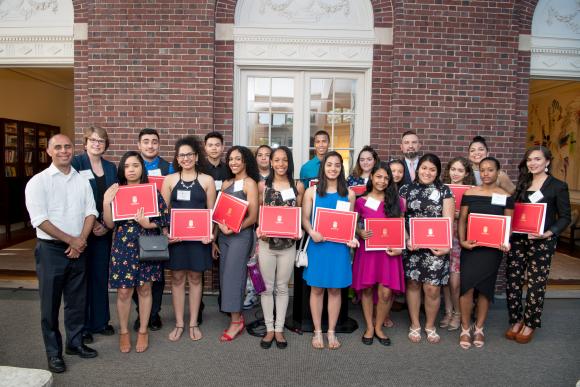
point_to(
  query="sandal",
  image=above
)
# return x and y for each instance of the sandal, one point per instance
(444, 323)
(317, 340)
(415, 334)
(465, 333)
(432, 336)
(142, 342)
(455, 322)
(176, 333)
(124, 342)
(226, 337)
(192, 331)
(478, 336)
(333, 342)
(510, 334)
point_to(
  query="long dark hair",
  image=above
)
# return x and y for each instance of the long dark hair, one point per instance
(289, 171)
(195, 144)
(248, 160)
(469, 178)
(402, 164)
(432, 158)
(341, 186)
(357, 170)
(525, 177)
(121, 169)
(391, 193)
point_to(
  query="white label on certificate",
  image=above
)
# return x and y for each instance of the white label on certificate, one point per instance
(218, 185)
(372, 203)
(498, 199)
(342, 205)
(154, 172)
(87, 174)
(435, 195)
(287, 194)
(239, 185)
(183, 195)
(536, 196)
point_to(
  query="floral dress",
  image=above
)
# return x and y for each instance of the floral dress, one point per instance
(125, 269)
(424, 201)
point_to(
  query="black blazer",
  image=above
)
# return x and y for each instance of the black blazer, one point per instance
(407, 176)
(81, 162)
(557, 198)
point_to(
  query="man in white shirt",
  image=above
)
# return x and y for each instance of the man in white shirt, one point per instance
(410, 146)
(62, 209)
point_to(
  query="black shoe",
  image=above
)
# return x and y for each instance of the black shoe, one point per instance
(266, 344)
(281, 344)
(200, 315)
(81, 351)
(137, 325)
(56, 364)
(108, 330)
(384, 341)
(87, 337)
(367, 340)
(155, 323)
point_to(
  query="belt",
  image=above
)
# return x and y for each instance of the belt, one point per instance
(54, 242)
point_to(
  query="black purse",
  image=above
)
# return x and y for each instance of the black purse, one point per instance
(153, 248)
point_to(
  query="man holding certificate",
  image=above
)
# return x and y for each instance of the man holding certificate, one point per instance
(480, 263)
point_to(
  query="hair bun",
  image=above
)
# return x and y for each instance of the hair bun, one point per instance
(478, 139)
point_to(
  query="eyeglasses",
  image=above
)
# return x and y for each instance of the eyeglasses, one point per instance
(97, 141)
(182, 156)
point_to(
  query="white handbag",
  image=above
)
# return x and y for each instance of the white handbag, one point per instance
(301, 259)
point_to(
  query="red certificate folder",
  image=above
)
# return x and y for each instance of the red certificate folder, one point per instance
(312, 182)
(387, 233)
(157, 180)
(458, 191)
(358, 189)
(334, 225)
(488, 230)
(430, 233)
(130, 198)
(190, 224)
(229, 211)
(529, 218)
(281, 222)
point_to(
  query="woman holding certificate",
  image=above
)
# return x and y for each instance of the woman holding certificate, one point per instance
(126, 271)
(276, 255)
(366, 161)
(426, 269)
(529, 260)
(328, 262)
(479, 264)
(234, 248)
(380, 269)
(188, 188)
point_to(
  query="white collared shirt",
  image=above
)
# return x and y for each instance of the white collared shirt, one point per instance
(64, 200)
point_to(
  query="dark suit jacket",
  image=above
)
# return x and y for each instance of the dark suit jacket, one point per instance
(557, 197)
(407, 177)
(81, 162)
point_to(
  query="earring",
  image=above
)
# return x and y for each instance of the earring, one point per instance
(546, 169)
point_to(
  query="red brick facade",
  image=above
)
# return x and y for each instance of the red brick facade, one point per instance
(454, 70)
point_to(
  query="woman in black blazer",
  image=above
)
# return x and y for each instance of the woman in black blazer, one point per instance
(530, 257)
(101, 174)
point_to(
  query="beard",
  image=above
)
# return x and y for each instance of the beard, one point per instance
(410, 155)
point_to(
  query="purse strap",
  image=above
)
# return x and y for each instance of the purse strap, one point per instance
(313, 216)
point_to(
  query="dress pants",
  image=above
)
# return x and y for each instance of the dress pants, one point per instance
(157, 288)
(60, 276)
(98, 256)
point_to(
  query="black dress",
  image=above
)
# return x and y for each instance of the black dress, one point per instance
(480, 265)
(189, 255)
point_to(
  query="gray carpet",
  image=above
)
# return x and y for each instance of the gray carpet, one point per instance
(551, 359)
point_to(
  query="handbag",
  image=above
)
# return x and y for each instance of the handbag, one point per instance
(301, 259)
(256, 275)
(153, 248)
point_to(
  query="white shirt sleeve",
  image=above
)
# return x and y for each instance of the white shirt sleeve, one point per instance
(36, 201)
(90, 206)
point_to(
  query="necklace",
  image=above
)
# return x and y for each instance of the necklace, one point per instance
(186, 186)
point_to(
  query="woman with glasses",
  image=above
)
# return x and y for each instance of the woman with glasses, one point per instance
(188, 188)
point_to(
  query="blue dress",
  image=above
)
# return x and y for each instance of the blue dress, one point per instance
(328, 262)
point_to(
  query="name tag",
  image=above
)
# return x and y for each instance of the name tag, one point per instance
(218, 185)
(288, 194)
(342, 205)
(239, 185)
(435, 195)
(498, 200)
(536, 197)
(87, 174)
(183, 195)
(372, 203)
(366, 180)
(154, 172)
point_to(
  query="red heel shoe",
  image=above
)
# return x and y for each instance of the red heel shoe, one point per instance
(225, 337)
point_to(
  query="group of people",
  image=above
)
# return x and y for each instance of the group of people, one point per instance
(82, 252)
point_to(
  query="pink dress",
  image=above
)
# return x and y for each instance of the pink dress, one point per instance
(375, 267)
